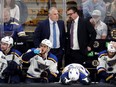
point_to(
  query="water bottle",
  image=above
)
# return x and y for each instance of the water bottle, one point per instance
(37, 51)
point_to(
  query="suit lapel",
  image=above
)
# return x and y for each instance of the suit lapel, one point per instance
(79, 27)
(48, 28)
(59, 25)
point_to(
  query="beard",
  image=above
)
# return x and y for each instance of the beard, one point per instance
(70, 19)
(111, 55)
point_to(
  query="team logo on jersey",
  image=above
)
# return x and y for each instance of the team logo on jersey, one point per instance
(42, 66)
(2, 57)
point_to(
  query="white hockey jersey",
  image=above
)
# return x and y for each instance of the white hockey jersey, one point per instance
(77, 66)
(3, 63)
(4, 59)
(38, 65)
(105, 63)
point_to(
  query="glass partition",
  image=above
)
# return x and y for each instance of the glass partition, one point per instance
(38, 10)
(1, 18)
(33, 11)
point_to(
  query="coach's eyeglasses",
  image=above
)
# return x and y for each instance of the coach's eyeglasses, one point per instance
(69, 14)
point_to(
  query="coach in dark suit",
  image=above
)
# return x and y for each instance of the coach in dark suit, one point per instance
(54, 30)
(79, 39)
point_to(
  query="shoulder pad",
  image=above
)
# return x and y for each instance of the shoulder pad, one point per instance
(104, 54)
(14, 23)
(52, 57)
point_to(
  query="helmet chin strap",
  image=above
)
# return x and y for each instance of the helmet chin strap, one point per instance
(48, 49)
(46, 54)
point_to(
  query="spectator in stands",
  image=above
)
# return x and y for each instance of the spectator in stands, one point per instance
(80, 37)
(107, 65)
(11, 25)
(108, 5)
(43, 64)
(90, 5)
(75, 72)
(110, 18)
(10, 62)
(113, 9)
(23, 10)
(14, 9)
(99, 26)
(47, 30)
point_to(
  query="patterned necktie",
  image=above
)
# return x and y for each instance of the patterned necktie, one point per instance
(71, 34)
(54, 35)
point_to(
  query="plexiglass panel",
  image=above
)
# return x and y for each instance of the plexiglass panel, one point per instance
(1, 18)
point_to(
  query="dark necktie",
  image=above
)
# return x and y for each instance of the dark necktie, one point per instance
(71, 34)
(54, 35)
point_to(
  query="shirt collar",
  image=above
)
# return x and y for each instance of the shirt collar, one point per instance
(76, 20)
(51, 22)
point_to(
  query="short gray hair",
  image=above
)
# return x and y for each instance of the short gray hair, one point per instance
(51, 9)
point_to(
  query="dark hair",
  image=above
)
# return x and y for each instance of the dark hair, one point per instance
(74, 10)
(71, 3)
(12, 4)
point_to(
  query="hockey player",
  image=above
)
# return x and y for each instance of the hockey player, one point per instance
(43, 64)
(107, 65)
(75, 73)
(3, 65)
(10, 61)
(113, 43)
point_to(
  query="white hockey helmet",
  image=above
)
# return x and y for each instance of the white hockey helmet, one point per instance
(47, 42)
(110, 48)
(73, 74)
(8, 40)
(96, 12)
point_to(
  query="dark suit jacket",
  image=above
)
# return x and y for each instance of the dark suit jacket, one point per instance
(43, 32)
(86, 35)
